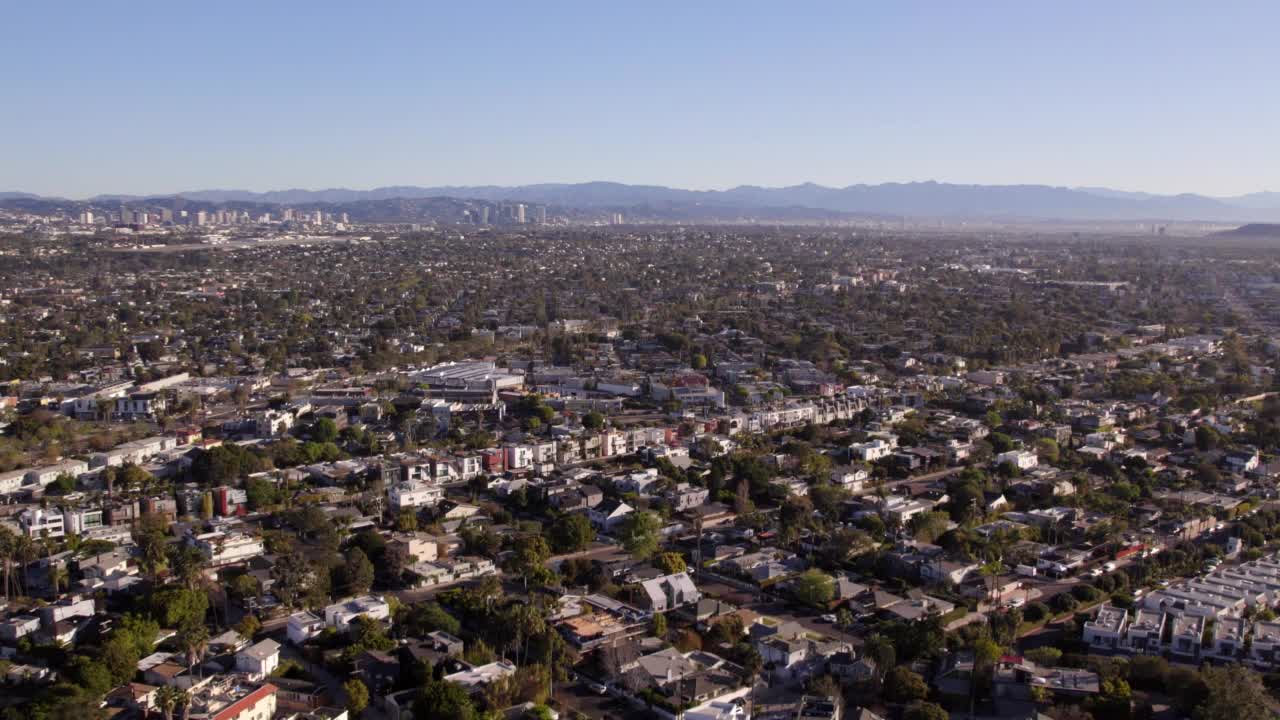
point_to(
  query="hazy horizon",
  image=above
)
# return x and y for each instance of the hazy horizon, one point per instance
(317, 189)
(158, 98)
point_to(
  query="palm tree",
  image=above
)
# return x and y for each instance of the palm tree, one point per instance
(194, 641)
(58, 577)
(183, 701)
(990, 571)
(24, 549)
(167, 700)
(7, 553)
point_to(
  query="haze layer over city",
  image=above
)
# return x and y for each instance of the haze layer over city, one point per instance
(732, 361)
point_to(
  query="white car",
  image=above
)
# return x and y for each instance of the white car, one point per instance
(829, 619)
(597, 688)
(1017, 603)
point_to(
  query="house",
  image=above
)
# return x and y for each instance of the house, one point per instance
(793, 652)
(669, 592)
(341, 614)
(411, 494)
(259, 659)
(608, 514)
(685, 496)
(40, 523)
(229, 699)
(951, 572)
(1187, 635)
(813, 707)
(18, 627)
(303, 626)
(73, 606)
(228, 548)
(1265, 651)
(1020, 459)
(848, 666)
(640, 482)
(871, 451)
(1228, 638)
(849, 477)
(1242, 461)
(1145, 634)
(1106, 631)
(475, 678)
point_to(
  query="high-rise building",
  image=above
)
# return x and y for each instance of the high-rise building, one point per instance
(318, 218)
(540, 214)
(201, 217)
(344, 219)
(287, 214)
(520, 213)
(166, 215)
(86, 217)
(484, 215)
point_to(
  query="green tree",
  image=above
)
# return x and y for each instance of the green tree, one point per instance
(1047, 449)
(1046, 656)
(670, 563)
(407, 520)
(440, 700)
(930, 526)
(814, 587)
(357, 572)
(593, 421)
(325, 430)
(1234, 693)
(531, 555)
(261, 493)
(659, 625)
(248, 626)
(638, 534)
(357, 696)
(178, 607)
(571, 533)
(903, 685)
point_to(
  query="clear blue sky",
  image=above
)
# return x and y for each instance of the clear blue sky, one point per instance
(148, 97)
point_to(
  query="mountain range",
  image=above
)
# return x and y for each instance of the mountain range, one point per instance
(916, 200)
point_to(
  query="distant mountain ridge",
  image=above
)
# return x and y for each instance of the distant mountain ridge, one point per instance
(916, 199)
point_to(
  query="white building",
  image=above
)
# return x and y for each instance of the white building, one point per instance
(259, 659)
(228, 548)
(669, 592)
(1107, 628)
(37, 522)
(341, 614)
(482, 675)
(44, 476)
(303, 626)
(414, 494)
(1021, 459)
(78, 521)
(871, 451)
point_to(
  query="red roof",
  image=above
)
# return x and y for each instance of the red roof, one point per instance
(245, 702)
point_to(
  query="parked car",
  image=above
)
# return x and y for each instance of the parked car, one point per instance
(597, 688)
(828, 619)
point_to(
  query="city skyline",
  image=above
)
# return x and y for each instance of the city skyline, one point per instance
(1162, 99)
